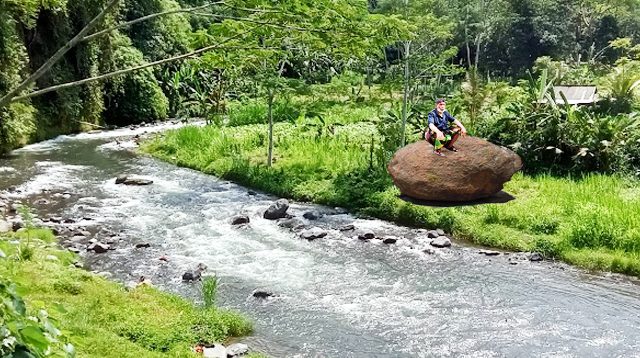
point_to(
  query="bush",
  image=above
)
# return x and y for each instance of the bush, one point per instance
(17, 125)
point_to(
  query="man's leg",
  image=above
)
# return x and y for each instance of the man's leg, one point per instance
(437, 145)
(455, 134)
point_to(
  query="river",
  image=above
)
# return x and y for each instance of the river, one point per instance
(336, 296)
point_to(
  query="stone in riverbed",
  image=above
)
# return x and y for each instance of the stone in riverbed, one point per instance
(478, 170)
(292, 223)
(124, 179)
(215, 351)
(98, 247)
(261, 294)
(489, 252)
(535, 257)
(4, 226)
(367, 235)
(313, 233)
(347, 227)
(239, 219)
(440, 242)
(194, 275)
(432, 234)
(237, 349)
(312, 215)
(390, 240)
(277, 210)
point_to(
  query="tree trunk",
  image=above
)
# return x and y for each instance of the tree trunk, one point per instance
(270, 155)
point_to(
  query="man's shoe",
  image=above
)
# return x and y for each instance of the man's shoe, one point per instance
(452, 148)
(438, 153)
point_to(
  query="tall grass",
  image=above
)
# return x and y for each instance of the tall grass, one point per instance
(592, 221)
(101, 318)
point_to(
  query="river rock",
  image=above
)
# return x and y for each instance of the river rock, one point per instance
(478, 170)
(432, 234)
(535, 257)
(194, 275)
(239, 220)
(142, 245)
(489, 252)
(55, 219)
(312, 215)
(390, 240)
(277, 210)
(261, 294)
(41, 201)
(440, 232)
(137, 181)
(293, 223)
(440, 241)
(98, 247)
(17, 224)
(5, 226)
(121, 178)
(366, 235)
(313, 233)
(347, 227)
(215, 351)
(237, 349)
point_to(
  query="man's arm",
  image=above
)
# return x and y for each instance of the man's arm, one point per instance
(451, 118)
(463, 130)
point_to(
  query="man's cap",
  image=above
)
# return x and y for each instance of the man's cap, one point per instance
(440, 100)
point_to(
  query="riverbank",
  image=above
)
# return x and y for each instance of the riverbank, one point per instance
(101, 318)
(584, 221)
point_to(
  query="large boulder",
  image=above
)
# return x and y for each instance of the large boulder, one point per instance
(478, 170)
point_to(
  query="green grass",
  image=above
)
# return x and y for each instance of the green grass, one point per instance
(102, 319)
(592, 221)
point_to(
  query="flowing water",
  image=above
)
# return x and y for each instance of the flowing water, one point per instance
(336, 296)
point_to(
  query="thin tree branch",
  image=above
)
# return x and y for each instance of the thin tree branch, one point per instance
(125, 71)
(58, 55)
(149, 17)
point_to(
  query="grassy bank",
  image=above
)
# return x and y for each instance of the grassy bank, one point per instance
(99, 317)
(592, 221)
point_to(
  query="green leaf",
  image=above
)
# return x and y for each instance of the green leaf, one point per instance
(34, 336)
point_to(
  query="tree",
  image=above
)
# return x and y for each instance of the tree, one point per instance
(276, 32)
(421, 45)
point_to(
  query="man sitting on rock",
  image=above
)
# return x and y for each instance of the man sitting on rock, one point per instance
(441, 132)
